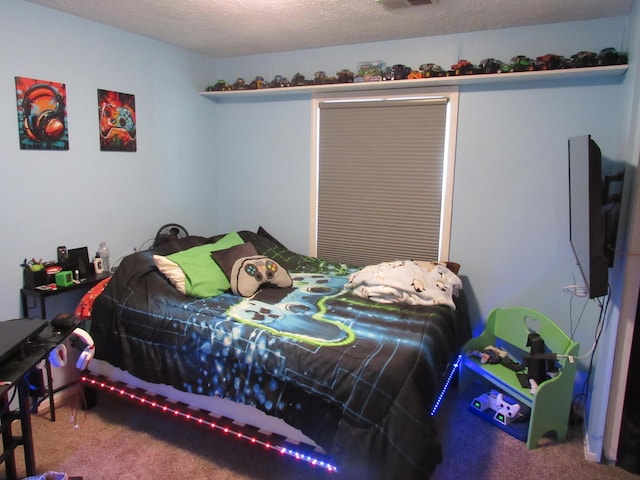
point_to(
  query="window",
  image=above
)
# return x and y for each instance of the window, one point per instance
(384, 177)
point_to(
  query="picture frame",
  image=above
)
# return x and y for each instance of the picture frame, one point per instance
(42, 114)
(117, 121)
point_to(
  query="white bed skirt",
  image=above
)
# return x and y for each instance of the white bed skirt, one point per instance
(238, 412)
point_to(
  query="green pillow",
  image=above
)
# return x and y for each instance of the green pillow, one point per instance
(203, 277)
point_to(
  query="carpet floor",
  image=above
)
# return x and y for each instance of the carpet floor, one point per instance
(120, 440)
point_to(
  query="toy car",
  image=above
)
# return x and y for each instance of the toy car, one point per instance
(279, 81)
(463, 67)
(610, 56)
(551, 61)
(258, 83)
(320, 78)
(298, 80)
(220, 86)
(431, 70)
(521, 63)
(344, 76)
(400, 72)
(583, 59)
(490, 65)
(370, 71)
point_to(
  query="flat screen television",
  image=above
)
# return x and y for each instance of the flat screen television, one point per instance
(586, 220)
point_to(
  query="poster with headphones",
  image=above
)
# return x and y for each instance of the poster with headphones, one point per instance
(42, 114)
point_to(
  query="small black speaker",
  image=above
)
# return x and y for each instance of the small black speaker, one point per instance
(536, 367)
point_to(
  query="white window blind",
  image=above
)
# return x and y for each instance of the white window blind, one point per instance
(380, 179)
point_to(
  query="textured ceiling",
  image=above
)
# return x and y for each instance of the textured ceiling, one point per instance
(227, 28)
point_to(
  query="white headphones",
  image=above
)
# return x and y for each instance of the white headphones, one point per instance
(58, 356)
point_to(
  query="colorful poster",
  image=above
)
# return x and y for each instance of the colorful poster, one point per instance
(117, 114)
(42, 114)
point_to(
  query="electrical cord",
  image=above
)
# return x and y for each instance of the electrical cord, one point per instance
(603, 305)
(576, 291)
(598, 332)
(118, 260)
(79, 403)
(143, 244)
(574, 328)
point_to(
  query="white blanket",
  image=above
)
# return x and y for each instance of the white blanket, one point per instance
(406, 281)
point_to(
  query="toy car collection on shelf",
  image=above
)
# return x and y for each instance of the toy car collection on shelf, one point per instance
(378, 71)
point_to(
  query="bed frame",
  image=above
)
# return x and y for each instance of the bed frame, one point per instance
(236, 420)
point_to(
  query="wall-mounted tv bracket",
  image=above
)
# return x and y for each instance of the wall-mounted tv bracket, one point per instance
(611, 198)
(608, 196)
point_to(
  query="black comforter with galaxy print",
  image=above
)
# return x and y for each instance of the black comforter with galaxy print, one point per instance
(358, 377)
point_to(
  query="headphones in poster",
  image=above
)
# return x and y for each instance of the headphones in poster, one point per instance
(59, 355)
(43, 113)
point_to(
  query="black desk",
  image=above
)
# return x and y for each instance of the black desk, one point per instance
(41, 295)
(14, 371)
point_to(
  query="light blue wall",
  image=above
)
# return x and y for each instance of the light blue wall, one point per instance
(510, 213)
(217, 167)
(510, 209)
(82, 196)
(610, 369)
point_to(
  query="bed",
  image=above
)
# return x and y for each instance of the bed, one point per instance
(315, 360)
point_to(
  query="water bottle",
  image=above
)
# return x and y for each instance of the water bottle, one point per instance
(103, 251)
(97, 264)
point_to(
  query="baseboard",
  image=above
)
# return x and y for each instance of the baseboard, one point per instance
(588, 454)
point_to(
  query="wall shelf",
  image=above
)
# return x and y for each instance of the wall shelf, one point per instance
(496, 78)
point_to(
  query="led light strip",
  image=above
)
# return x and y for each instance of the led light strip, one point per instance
(227, 427)
(452, 373)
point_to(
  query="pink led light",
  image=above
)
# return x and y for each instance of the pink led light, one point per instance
(187, 416)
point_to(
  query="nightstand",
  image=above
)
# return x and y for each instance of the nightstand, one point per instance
(40, 295)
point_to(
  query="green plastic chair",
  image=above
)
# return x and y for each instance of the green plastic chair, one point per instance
(551, 404)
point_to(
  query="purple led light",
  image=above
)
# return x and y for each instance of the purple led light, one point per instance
(225, 429)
